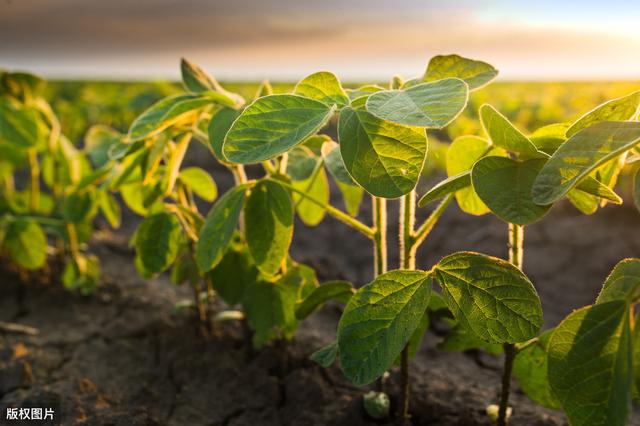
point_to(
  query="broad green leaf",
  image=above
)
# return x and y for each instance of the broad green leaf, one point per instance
(530, 371)
(581, 154)
(432, 105)
(110, 208)
(317, 187)
(490, 297)
(461, 155)
(194, 78)
(548, 138)
(504, 134)
(270, 307)
(352, 196)
(326, 355)
(378, 322)
(269, 225)
(302, 163)
(415, 342)
(385, 158)
(157, 242)
(324, 87)
(585, 203)
(79, 206)
(460, 339)
(475, 73)
(333, 161)
(448, 186)
(98, 142)
(26, 243)
(504, 185)
(620, 109)
(200, 182)
(363, 91)
(623, 283)
(18, 126)
(218, 127)
(165, 113)
(218, 228)
(590, 365)
(592, 186)
(338, 290)
(272, 125)
(234, 273)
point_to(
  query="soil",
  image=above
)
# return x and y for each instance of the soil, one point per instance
(122, 357)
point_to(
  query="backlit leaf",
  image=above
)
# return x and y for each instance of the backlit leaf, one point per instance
(317, 187)
(26, 243)
(620, 109)
(448, 186)
(623, 283)
(504, 134)
(200, 182)
(475, 73)
(338, 290)
(324, 87)
(218, 127)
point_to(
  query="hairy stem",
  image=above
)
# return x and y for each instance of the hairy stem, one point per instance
(34, 173)
(407, 261)
(380, 235)
(423, 230)
(240, 178)
(516, 252)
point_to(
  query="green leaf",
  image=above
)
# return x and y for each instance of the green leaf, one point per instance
(339, 290)
(235, 272)
(333, 161)
(620, 109)
(448, 186)
(461, 156)
(590, 365)
(378, 322)
(317, 187)
(326, 355)
(386, 159)
(165, 113)
(110, 208)
(302, 163)
(98, 142)
(598, 189)
(324, 87)
(581, 154)
(490, 297)
(18, 126)
(219, 127)
(549, 138)
(461, 339)
(200, 182)
(26, 243)
(530, 371)
(194, 78)
(504, 185)
(157, 242)
(432, 105)
(269, 225)
(623, 283)
(272, 125)
(218, 228)
(79, 206)
(504, 134)
(475, 73)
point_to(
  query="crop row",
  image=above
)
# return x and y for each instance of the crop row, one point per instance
(588, 366)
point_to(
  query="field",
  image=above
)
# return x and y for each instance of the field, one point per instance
(126, 345)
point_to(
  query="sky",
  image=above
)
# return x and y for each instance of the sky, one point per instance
(288, 39)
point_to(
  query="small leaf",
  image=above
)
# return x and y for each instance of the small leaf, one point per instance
(98, 142)
(385, 158)
(235, 272)
(317, 187)
(110, 208)
(376, 404)
(580, 155)
(218, 228)
(324, 87)
(272, 125)
(18, 126)
(157, 241)
(620, 109)
(530, 371)
(269, 225)
(475, 73)
(432, 105)
(302, 163)
(623, 283)
(490, 297)
(504, 185)
(598, 189)
(218, 127)
(326, 355)
(378, 322)
(26, 243)
(549, 138)
(352, 196)
(504, 134)
(339, 290)
(448, 186)
(590, 365)
(79, 206)
(333, 161)
(200, 182)
(194, 78)
(460, 339)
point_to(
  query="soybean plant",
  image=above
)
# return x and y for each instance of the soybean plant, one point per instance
(63, 193)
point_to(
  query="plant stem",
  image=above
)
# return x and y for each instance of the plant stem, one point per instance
(240, 178)
(516, 252)
(380, 235)
(34, 172)
(336, 213)
(423, 231)
(73, 240)
(407, 261)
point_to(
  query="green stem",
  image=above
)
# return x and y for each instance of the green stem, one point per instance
(240, 178)
(336, 213)
(516, 252)
(34, 173)
(423, 231)
(380, 235)
(407, 261)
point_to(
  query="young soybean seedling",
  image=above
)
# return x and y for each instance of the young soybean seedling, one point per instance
(62, 196)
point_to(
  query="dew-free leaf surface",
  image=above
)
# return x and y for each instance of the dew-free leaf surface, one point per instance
(475, 73)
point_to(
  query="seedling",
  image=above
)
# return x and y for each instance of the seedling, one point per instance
(63, 194)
